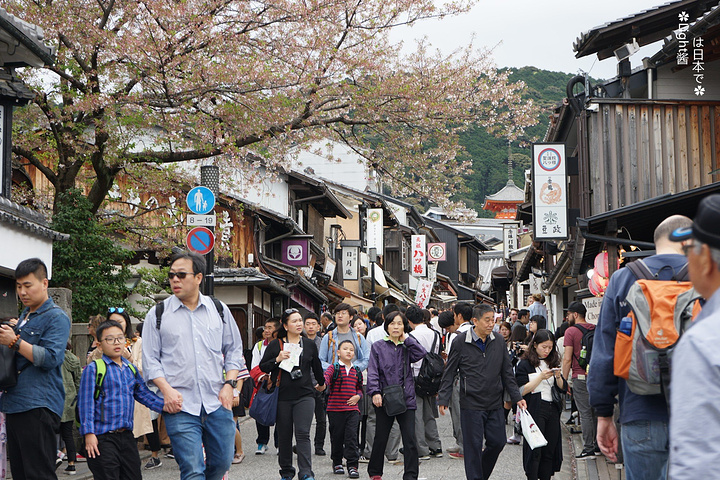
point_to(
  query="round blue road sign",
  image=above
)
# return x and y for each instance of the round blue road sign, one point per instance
(200, 200)
(200, 240)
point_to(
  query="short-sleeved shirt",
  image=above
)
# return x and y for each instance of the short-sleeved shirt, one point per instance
(573, 338)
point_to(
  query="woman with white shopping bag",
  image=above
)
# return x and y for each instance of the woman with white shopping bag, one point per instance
(541, 384)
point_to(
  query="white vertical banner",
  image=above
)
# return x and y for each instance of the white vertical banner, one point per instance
(375, 229)
(350, 263)
(423, 292)
(432, 271)
(418, 259)
(509, 239)
(329, 269)
(549, 184)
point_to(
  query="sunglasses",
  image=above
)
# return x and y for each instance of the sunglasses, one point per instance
(116, 310)
(180, 275)
(290, 311)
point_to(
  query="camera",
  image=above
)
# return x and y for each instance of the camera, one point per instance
(296, 374)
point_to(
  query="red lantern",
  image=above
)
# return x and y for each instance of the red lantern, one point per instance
(602, 264)
(597, 285)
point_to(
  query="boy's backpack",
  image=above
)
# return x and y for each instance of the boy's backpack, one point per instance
(100, 371)
(160, 309)
(660, 311)
(586, 344)
(336, 375)
(427, 383)
(332, 344)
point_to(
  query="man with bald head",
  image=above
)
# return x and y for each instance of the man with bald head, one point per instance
(644, 418)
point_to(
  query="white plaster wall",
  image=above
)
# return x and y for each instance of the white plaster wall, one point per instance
(337, 163)
(18, 244)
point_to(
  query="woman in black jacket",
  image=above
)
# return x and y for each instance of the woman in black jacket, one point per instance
(296, 399)
(538, 374)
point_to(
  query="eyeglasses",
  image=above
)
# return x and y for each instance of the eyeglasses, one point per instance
(180, 275)
(113, 340)
(116, 310)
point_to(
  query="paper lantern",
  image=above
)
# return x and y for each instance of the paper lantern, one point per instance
(602, 264)
(597, 285)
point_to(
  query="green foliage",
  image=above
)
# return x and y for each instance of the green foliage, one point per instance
(91, 262)
(489, 154)
(152, 282)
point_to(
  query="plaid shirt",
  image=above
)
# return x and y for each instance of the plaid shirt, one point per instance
(115, 406)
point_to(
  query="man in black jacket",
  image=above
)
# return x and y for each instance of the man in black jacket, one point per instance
(483, 363)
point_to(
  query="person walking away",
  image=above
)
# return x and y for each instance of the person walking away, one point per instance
(345, 386)
(538, 306)
(481, 361)
(106, 410)
(426, 431)
(644, 418)
(296, 399)
(538, 373)
(38, 339)
(71, 373)
(571, 366)
(390, 361)
(312, 331)
(694, 387)
(197, 389)
(269, 333)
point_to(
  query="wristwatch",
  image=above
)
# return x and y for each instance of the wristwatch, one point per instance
(232, 383)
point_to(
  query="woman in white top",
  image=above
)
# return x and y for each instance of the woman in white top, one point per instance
(538, 374)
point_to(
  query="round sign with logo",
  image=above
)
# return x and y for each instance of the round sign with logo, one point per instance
(549, 159)
(436, 252)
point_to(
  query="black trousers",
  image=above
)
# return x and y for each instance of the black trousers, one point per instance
(482, 426)
(406, 421)
(263, 437)
(154, 438)
(119, 457)
(343, 437)
(320, 419)
(66, 433)
(547, 419)
(31, 444)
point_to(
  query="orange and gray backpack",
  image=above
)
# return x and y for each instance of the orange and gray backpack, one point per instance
(660, 311)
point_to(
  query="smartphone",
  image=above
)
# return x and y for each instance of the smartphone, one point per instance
(555, 369)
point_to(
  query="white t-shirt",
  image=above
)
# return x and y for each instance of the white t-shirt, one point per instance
(545, 386)
(425, 337)
(375, 335)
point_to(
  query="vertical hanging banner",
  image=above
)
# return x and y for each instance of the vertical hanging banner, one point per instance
(350, 263)
(423, 292)
(509, 239)
(418, 260)
(375, 229)
(549, 183)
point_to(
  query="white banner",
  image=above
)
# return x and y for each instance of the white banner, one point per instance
(375, 229)
(329, 269)
(350, 263)
(509, 239)
(549, 191)
(432, 271)
(418, 259)
(423, 292)
(592, 305)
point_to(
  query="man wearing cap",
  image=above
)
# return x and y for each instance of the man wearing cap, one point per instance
(695, 385)
(572, 343)
(644, 418)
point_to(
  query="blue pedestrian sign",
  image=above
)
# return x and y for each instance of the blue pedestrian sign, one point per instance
(201, 200)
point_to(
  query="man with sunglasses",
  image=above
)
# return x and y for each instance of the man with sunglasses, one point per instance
(185, 356)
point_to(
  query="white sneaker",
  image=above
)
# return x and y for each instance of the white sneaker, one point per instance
(514, 440)
(262, 448)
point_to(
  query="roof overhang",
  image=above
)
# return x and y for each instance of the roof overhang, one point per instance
(21, 43)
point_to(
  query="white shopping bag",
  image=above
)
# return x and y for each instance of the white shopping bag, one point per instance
(531, 432)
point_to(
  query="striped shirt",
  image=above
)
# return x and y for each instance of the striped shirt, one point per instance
(115, 406)
(346, 386)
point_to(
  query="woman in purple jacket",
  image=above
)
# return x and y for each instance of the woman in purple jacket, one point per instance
(389, 364)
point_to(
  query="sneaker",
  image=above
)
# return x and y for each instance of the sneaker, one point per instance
(170, 454)
(456, 455)
(585, 454)
(262, 448)
(353, 472)
(62, 456)
(58, 462)
(80, 458)
(308, 477)
(70, 470)
(153, 463)
(436, 453)
(397, 461)
(363, 459)
(514, 440)
(454, 449)
(338, 470)
(320, 452)
(238, 458)
(423, 457)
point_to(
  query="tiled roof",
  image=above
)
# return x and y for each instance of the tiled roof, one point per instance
(509, 193)
(32, 50)
(22, 217)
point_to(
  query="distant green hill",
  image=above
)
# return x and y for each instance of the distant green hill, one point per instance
(489, 154)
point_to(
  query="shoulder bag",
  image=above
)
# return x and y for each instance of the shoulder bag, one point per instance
(264, 406)
(393, 396)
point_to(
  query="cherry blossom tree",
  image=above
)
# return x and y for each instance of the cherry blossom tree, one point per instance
(167, 81)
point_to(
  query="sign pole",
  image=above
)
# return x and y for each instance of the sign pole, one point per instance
(210, 178)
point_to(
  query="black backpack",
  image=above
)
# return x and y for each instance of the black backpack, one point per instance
(160, 309)
(427, 383)
(586, 344)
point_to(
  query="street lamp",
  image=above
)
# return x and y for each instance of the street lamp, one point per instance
(372, 254)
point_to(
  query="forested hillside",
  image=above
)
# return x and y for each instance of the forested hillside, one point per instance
(489, 154)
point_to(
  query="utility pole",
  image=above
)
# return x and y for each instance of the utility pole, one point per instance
(210, 178)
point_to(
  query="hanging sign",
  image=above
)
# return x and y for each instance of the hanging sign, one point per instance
(509, 239)
(418, 259)
(423, 292)
(350, 263)
(375, 229)
(437, 252)
(295, 252)
(549, 183)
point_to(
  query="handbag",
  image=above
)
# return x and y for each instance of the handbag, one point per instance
(533, 436)
(393, 396)
(8, 366)
(264, 405)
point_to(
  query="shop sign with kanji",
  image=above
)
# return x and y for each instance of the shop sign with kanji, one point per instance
(549, 184)
(350, 263)
(418, 261)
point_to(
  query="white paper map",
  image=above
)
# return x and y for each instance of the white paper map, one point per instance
(295, 350)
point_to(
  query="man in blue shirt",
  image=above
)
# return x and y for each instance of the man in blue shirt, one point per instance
(39, 340)
(186, 357)
(644, 418)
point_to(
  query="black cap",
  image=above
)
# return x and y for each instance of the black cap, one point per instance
(577, 307)
(706, 224)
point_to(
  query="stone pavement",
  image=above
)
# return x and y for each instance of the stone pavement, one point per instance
(509, 466)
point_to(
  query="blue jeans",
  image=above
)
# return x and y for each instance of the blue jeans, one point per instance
(189, 434)
(645, 446)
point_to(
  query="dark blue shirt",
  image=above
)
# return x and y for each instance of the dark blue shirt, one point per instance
(40, 384)
(115, 406)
